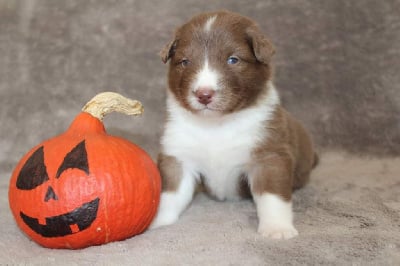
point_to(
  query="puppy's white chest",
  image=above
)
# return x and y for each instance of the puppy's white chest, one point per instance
(218, 149)
(223, 160)
(218, 154)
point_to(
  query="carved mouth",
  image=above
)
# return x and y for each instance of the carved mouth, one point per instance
(65, 224)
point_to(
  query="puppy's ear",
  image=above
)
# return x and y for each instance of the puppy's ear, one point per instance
(262, 48)
(168, 51)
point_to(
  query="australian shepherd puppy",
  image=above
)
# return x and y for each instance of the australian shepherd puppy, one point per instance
(225, 128)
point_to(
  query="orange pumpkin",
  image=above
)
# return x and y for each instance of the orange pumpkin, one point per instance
(85, 187)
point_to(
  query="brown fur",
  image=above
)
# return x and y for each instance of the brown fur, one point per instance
(285, 159)
(171, 171)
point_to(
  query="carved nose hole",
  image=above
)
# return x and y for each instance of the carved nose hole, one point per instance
(50, 194)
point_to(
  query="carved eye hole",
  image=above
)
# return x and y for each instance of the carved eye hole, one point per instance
(34, 172)
(76, 158)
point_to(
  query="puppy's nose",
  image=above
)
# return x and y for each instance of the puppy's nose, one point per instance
(204, 95)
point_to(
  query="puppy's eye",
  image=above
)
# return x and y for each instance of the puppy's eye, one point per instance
(232, 60)
(185, 62)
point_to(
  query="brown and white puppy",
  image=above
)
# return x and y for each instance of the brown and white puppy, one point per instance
(226, 129)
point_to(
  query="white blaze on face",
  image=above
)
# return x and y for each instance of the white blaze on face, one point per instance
(210, 21)
(206, 78)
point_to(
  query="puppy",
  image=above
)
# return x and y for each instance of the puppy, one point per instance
(225, 127)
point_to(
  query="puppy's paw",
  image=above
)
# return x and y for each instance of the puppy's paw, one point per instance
(278, 231)
(163, 219)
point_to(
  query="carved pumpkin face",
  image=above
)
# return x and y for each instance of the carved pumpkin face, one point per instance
(77, 190)
(34, 174)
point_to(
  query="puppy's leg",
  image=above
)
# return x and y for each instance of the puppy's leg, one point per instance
(271, 186)
(178, 189)
(275, 216)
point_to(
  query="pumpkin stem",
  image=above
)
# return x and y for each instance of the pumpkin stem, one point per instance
(107, 102)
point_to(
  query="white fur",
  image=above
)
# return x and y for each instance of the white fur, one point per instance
(210, 21)
(275, 216)
(206, 78)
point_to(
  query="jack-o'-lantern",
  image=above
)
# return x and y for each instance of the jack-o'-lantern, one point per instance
(85, 187)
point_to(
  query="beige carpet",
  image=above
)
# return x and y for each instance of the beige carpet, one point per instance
(348, 215)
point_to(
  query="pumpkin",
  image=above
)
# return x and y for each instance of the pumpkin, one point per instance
(85, 187)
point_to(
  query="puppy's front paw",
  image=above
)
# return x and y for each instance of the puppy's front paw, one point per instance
(275, 217)
(163, 218)
(278, 231)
